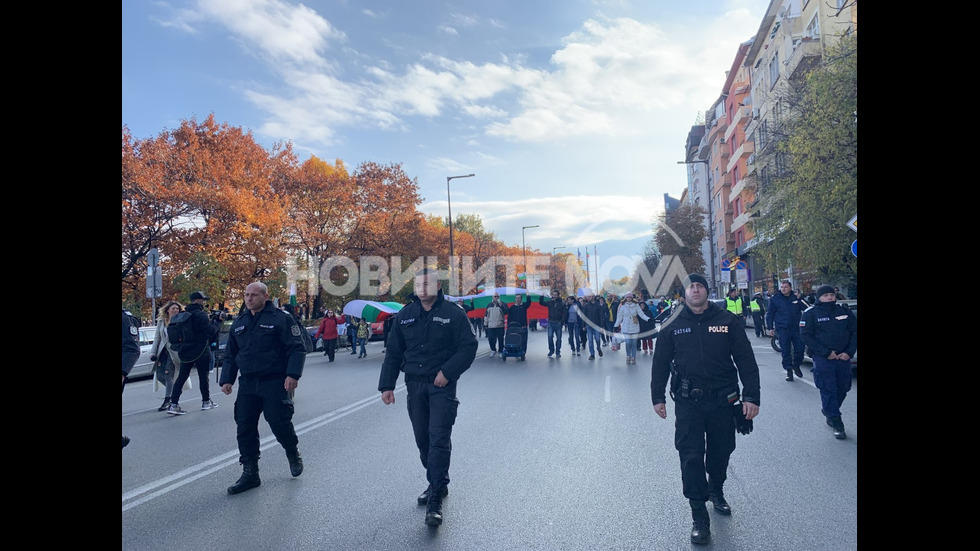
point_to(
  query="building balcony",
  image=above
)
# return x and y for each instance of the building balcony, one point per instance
(806, 53)
(745, 182)
(742, 116)
(743, 151)
(740, 220)
(750, 165)
(729, 237)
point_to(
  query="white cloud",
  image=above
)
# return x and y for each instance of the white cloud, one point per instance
(283, 32)
(574, 220)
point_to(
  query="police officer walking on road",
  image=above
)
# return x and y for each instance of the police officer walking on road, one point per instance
(432, 342)
(130, 352)
(266, 353)
(696, 351)
(829, 330)
(783, 321)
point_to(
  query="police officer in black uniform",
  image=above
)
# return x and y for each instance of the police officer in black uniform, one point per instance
(696, 351)
(829, 330)
(266, 352)
(432, 341)
(130, 351)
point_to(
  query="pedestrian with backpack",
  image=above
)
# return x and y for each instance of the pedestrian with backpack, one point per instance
(190, 334)
(363, 334)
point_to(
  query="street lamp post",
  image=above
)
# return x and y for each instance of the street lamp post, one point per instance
(524, 248)
(452, 274)
(553, 249)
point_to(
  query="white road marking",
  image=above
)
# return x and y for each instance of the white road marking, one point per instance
(167, 484)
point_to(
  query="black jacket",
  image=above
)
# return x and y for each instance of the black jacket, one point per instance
(203, 333)
(784, 312)
(557, 310)
(593, 312)
(702, 348)
(267, 345)
(130, 342)
(517, 314)
(829, 326)
(423, 343)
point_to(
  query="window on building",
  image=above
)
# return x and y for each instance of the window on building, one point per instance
(738, 206)
(813, 28)
(773, 70)
(738, 239)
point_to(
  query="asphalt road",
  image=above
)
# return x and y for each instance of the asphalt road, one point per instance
(547, 454)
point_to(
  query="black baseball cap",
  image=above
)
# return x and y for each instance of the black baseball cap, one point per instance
(199, 294)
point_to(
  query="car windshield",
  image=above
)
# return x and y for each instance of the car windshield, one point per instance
(147, 334)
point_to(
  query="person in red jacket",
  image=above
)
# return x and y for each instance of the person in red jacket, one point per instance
(328, 330)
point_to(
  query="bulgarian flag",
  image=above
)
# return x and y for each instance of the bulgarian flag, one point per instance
(292, 294)
(508, 296)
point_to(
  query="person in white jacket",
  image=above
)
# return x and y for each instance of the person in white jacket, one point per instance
(628, 320)
(169, 362)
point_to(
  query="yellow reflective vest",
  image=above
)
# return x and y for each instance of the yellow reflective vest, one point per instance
(734, 306)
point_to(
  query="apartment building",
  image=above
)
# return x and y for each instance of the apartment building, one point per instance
(735, 157)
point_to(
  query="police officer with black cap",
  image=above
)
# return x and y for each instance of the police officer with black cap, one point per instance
(266, 353)
(432, 341)
(829, 330)
(696, 351)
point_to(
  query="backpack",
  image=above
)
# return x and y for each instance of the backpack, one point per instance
(180, 332)
(307, 339)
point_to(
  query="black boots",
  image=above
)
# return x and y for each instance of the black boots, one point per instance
(718, 499)
(424, 498)
(798, 372)
(165, 406)
(838, 425)
(701, 530)
(433, 511)
(789, 374)
(125, 441)
(249, 478)
(295, 463)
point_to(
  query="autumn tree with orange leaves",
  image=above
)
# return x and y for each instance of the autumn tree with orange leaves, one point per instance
(202, 189)
(224, 212)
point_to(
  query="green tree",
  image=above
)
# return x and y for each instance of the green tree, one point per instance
(806, 207)
(680, 232)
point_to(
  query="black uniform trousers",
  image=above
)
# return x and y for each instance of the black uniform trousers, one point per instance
(268, 396)
(759, 321)
(705, 438)
(432, 411)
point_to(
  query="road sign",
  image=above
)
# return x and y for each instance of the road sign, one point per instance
(154, 282)
(853, 224)
(153, 257)
(725, 263)
(854, 248)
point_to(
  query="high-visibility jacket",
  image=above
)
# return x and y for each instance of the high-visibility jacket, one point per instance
(756, 307)
(734, 305)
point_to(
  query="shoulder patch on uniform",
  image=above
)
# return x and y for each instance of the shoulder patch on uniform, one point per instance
(133, 330)
(295, 330)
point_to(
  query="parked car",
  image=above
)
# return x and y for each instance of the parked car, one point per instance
(222, 342)
(144, 367)
(377, 331)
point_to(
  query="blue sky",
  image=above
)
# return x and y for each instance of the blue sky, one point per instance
(571, 113)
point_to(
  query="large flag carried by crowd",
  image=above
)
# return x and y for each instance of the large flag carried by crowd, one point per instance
(480, 301)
